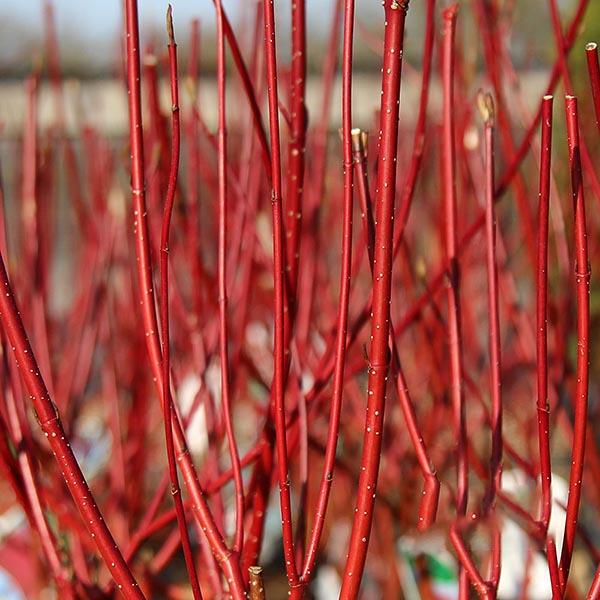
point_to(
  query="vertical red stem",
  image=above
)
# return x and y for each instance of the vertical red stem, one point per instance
(224, 556)
(430, 497)
(222, 277)
(248, 88)
(279, 358)
(487, 108)
(543, 406)
(420, 129)
(580, 401)
(296, 146)
(591, 52)
(342, 318)
(453, 283)
(379, 356)
(167, 400)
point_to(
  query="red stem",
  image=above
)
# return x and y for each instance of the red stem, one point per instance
(193, 166)
(594, 592)
(420, 129)
(344, 300)
(580, 401)
(467, 566)
(202, 511)
(51, 425)
(35, 506)
(448, 157)
(379, 356)
(279, 358)
(543, 406)
(222, 277)
(167, 401)
(453, 283)
(494, 335)
(430, 497)
(296, 146)
(248, 88)
(591, 52)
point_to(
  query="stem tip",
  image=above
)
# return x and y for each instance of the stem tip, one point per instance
(170, 31)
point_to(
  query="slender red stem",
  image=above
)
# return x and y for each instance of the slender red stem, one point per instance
(580, 401)
(453, 283)
(247, 86)
(193, 166)
(430, 497)
(543, 406)
(467, 565)
(594, 592)
(279, 358)
(487, 108)
(296, 146)
(420, 129)
(167, 401)
(344, 300)
(316, 189)
(222, 277)
(202, 511)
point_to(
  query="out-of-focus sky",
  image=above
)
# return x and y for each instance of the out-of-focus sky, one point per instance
(89, 30)
(101, 18)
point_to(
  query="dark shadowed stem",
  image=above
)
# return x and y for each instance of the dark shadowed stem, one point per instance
(586, 160)
(495, 483)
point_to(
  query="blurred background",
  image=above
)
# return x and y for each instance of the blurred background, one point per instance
(90, 47)
(90, 35)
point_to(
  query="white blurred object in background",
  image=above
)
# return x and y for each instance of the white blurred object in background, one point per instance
(516, 543)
